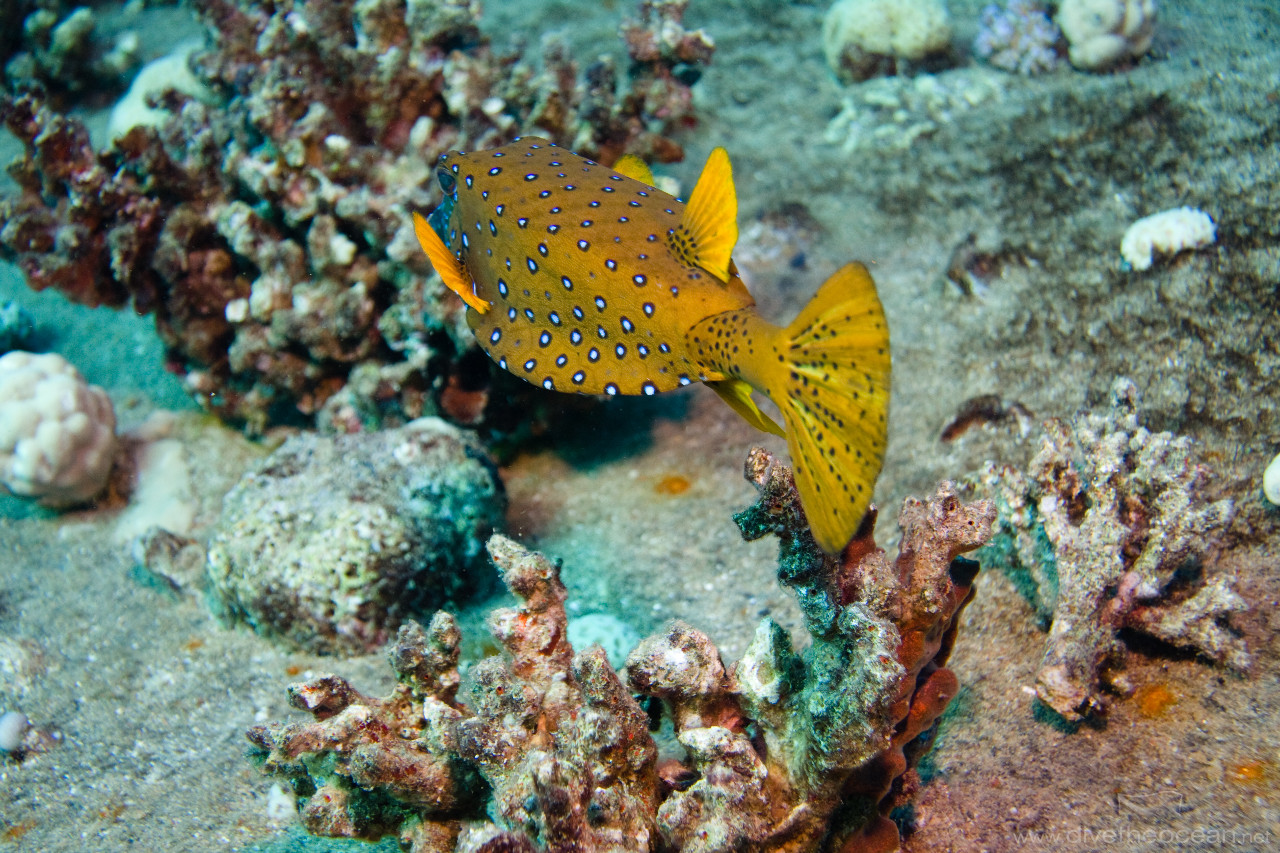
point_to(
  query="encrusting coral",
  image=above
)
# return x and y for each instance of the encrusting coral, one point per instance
(784, 752)
(270, 234)
(1107, 528)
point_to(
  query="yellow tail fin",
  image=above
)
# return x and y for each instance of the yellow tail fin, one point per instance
(835, 402)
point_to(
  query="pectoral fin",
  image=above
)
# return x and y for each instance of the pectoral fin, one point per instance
(450, 269)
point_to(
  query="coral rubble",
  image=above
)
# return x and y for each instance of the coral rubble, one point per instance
(551, 751)
(331, 541)
(267, 224)
(1107, 528)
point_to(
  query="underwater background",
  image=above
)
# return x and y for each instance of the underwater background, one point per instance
(237, 272)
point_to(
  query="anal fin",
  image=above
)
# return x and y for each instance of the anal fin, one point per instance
(737, 394)
(450, 269)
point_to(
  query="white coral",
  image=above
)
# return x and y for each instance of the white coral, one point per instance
(57, 432)
(1103, 33)
(1167, 232)
(898, 29)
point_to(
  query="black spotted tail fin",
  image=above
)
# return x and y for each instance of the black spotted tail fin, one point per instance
(835, 402)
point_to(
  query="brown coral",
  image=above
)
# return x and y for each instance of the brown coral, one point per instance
(785, 752)
(271, 235)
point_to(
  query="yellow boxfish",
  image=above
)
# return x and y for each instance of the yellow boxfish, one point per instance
(587, 279)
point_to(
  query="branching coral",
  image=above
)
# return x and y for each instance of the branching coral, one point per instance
(785, 752)
(271, 235)
(1108, 526)
(57, 47)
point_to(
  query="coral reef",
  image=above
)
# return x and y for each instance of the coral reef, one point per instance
(785, 752)
(1102, 34)
(1020, 37)
(58, 48)
(271, 234)
(331, 541)
(57, 432)
(864, 38)
(1105, 531)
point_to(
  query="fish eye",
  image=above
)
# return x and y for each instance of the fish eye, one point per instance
(448, 182)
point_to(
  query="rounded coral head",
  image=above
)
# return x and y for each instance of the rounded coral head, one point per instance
(57, 432)
(1104, 33)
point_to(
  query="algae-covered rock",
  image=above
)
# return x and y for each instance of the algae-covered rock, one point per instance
(332, 541)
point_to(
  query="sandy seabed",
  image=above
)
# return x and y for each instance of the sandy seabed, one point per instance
(149, 697)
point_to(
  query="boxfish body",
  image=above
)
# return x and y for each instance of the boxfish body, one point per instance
(588, 279)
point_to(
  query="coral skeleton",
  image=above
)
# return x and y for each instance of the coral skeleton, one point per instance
(551, 749)
(1108, 528)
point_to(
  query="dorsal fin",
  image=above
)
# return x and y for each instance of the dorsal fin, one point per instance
(707, 234)
(631, 166)
(449, 268)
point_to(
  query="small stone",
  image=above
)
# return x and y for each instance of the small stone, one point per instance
(13, 730)
(1271, 481)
